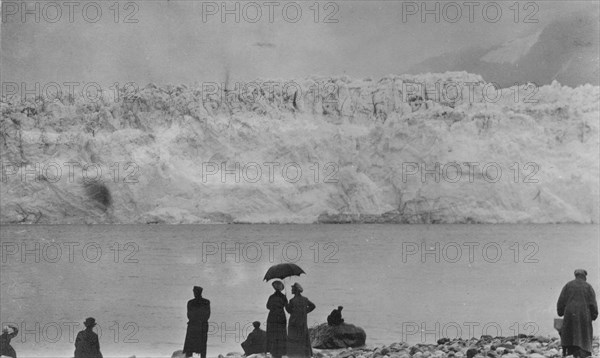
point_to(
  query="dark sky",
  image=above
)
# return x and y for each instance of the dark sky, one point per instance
(171, 42)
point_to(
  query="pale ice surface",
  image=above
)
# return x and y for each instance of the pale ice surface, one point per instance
(342, 148)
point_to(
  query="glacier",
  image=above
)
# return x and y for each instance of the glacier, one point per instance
(316, 150)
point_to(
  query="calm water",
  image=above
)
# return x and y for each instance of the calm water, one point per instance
(494, 279)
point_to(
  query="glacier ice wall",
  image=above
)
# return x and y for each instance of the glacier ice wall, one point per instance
(316, 150)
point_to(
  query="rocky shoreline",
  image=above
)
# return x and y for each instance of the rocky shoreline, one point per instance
(521, 346)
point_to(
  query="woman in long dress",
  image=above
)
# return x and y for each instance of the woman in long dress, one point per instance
(276, 322)
(298, 338)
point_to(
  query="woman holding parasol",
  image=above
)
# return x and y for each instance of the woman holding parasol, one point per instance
(276, 322)
(278, 341)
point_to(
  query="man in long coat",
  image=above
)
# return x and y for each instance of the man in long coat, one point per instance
(198, 313)
(577, 303)
(86, 343)
(298, 338)
(276, 322)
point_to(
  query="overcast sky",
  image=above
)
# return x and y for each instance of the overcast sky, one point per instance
(182, 42)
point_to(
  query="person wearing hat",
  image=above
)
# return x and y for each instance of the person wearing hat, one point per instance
(87, 344)
(277, 321)
(577, 303)
(198, 313)
(335, 317)
(9, 332)
(298, 338)
(256, 341)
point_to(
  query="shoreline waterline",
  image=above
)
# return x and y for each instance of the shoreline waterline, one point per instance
(386, 276)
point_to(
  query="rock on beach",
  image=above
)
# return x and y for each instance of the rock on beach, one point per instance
(345, 335)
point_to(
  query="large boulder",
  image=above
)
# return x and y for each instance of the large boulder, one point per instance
(345, 335)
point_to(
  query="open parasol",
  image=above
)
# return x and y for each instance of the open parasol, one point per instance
(282, 271)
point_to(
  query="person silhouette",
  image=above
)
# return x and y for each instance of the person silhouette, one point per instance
(198, 313)
(9, 332)
(577, 303)
(276, 322)
(256, 341)
(298, 338)
(87, 344)
(335, 317)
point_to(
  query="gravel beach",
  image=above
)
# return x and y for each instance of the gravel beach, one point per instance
(487, 346)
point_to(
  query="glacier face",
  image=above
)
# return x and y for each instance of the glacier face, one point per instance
(316, 150)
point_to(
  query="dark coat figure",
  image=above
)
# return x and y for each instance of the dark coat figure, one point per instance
(276, 322)
(298, 337)
(198, 313)
(86, 343)
(256, 341)
(577, 303)
(5, 348)
(335, 317)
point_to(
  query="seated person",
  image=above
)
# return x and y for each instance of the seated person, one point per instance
(335, 318)
(256, 341)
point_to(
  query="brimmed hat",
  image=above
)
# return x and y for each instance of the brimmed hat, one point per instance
(298, 287)
(580, 272)
(89, 322)
(278, 285)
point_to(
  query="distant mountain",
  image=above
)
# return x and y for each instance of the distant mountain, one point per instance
(566, 50)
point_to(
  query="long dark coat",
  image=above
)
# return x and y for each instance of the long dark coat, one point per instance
(298, 337)
(87, 345)
(276, 325)
(198, 313)
(577, 303)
